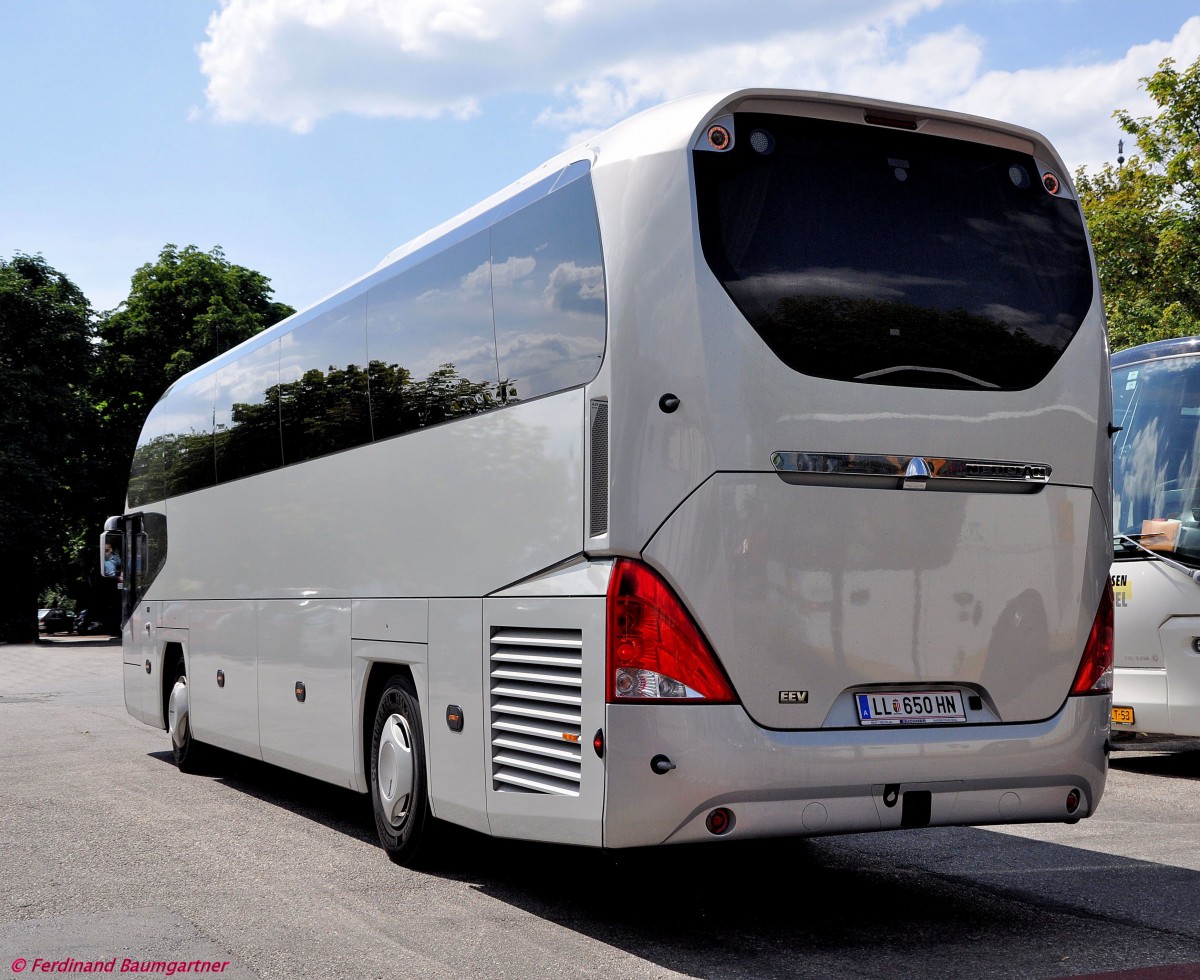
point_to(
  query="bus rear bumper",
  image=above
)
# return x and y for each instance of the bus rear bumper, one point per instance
(809, 783)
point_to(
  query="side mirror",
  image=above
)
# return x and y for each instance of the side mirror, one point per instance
(111, 562)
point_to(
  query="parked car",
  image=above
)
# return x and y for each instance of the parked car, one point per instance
(55, 620)
(90, 623)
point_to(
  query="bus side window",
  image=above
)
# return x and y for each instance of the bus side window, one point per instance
(548, 292)
(430, 340)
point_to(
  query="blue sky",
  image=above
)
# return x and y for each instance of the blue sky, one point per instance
(309, 138)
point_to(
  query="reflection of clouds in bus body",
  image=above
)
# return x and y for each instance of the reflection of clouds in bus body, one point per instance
(853, 284)
(181, 423)
(249, 377)
(473, 357)
(574, 288)
(549, 327)
(842, 283)
(512, 269)
(538, 352)
(193, 409)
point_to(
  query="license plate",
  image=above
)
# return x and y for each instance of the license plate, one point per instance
(1122, 716)
(910, 707)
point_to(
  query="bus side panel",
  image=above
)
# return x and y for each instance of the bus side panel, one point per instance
(457, 759)
(223, 675)
(309, 729)
(462, 508)
(545, 658)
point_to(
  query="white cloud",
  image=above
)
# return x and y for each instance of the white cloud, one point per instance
(511, 269)
(295, 62)
(575, 288)
(1073, 105)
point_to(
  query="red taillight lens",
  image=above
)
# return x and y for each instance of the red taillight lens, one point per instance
(655, 651)
(1095, 674)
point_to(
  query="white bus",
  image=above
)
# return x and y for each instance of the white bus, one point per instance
(1156, 547)
(744, 471)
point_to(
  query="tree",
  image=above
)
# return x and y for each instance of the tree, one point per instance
(182, 310)
(46, 360)
(1144, 216)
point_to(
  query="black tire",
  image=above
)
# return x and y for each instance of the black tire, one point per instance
(189, 753)
(399, 781)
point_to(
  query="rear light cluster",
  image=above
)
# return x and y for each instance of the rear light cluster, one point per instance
(655, 651)
(1095, 674)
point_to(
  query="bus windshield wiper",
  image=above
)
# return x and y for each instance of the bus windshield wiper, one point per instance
(1135, 540)
(923, 369)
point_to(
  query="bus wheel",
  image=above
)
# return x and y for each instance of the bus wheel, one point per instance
(188, 752)
(399, 793)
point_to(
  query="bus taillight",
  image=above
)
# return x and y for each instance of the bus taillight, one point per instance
(655, 651)
(1095, 674)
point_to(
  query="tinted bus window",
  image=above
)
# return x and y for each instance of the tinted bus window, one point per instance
(188, 455)
(323, 400)
(431, 343)
(548, 293)
(146, 483)
(247, 414)
(888, 257)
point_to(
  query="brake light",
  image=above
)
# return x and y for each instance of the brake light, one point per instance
(655, 651)
(1095, 674)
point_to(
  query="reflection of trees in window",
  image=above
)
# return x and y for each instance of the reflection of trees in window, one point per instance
(322, 413)
(393, 400)
(535, 280)
(250, 444)
(188, 462)
(318, 414)
(146, 473)
(169, 465)
(325, 412)
(399, 404)
(445, 395)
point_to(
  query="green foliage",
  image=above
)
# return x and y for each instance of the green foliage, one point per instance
(182, 310)
(77, 391)
(46, 361)
(1144, 216)
(54, 596)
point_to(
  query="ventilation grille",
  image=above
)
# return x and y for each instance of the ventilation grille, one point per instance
(598, 473)
(537, 682)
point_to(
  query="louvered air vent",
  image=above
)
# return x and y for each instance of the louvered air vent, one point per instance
(598, 470)
(537, 681)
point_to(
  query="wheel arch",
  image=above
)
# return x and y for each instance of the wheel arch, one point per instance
(379, 673)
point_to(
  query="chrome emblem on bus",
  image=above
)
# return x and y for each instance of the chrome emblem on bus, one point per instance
(912, 472)
(916, 474)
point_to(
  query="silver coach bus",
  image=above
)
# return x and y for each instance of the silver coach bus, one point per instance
(1156, 547)
(744, 471)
